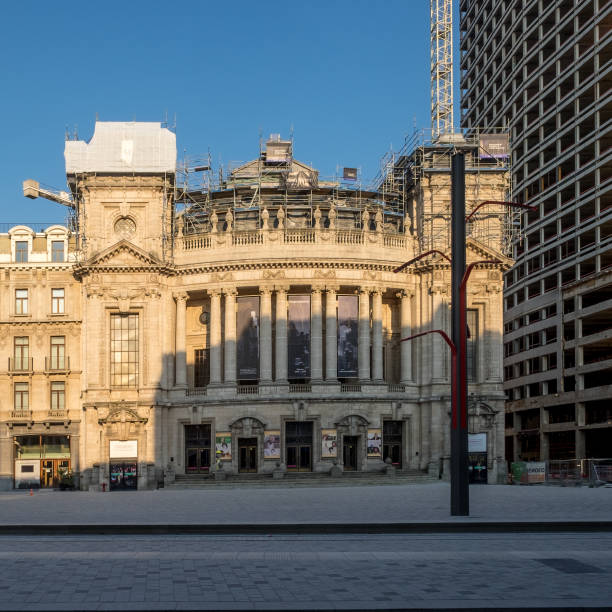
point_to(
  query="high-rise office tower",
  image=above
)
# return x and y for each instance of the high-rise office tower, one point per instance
(543, 68)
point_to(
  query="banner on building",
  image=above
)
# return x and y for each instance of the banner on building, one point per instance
(272, 445)
(122, 449)
(223, 446)
(374, 443)
(477, 443)
(247, 338)
(329, 444)
(298, 336)
(348, 313)
(494, 146)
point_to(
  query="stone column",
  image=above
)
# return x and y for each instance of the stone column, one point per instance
(331, 335)
(316, 335)
(230, 336)
(215, 337)
(377, 336)
(439, 348)
(180, 338)
(405, 331)
(364, 334)
(281, 335)
(265, 338)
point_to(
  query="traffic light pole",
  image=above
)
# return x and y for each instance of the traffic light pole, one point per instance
(460, 493)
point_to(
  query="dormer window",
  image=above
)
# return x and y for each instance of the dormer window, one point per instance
(21, 251)
(57, 250)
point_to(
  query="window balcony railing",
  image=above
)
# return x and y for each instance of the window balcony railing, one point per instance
(58, 413)
(350, 388)
(57, 364)
(396, 388)
(300, 388)
(195, 391)
(24, 415)
(21, 366)
(247, 389)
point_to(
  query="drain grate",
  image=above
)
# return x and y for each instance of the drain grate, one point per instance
(570, 566)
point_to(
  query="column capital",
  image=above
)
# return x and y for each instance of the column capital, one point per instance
(281, 289)
(181, 295)
(402, 293)
(332, 288)
(213, 292)
(265, 290)
(230, 291)
(364, 289)
(316, 289)
(377, 290)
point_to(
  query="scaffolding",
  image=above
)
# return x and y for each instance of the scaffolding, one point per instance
(419, 174)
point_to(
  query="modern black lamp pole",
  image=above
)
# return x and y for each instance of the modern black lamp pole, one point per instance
(460, 493)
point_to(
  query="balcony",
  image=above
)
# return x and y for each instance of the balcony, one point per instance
(21, 366)
(57, 365)
(57, 414)
(21, 415)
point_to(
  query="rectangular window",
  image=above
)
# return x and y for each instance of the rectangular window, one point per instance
(57, 301)
(21, 301)
(21, 251)
(22, 397)
(57, 250)
(472, 344)
(124, 350)
(58, 352)
(21, 353)
(201, 373)
(58, 396)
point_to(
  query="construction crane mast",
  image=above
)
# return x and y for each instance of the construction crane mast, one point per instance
(441, 67)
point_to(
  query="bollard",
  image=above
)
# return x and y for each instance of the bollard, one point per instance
(103, 487)
(31, 491)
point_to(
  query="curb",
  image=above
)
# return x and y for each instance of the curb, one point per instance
(311, 528)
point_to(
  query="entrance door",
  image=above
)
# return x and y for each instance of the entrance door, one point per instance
(298, 441)
(247, 453)
(349, 452)
(197, 449)
(392, 442)
(123, 475)
(51, 471)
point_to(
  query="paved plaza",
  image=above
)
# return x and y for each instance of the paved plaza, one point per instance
(293, 571)
(268, 505)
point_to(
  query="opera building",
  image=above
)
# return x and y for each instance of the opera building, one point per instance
(189, 322)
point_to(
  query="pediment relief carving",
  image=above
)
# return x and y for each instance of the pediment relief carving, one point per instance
(122, 414)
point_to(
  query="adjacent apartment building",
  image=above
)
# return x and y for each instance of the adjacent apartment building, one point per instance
(543, 68)
(249, 320)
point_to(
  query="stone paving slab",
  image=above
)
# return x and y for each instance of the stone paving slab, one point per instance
(331, 572)
(426, 503)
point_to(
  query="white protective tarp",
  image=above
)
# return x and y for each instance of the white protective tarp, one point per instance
(121, 147)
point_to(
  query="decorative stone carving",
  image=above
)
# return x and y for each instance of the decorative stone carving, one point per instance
(229, 219)
(214, 220)
(265, 215)
(272, 274)
(317, 218)
(326, 274)
(280, 216)
(332, 215)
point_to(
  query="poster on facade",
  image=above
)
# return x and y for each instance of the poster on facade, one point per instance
(247, 337)
(329, 444)
(477, 443)
(348, 313)
(298, 336)
(223, 446)
(494, 146)
(374, 443)
(272, 445)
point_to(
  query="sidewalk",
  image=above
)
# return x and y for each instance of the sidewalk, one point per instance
(358, 505)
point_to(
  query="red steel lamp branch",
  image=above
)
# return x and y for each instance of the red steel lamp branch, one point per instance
(499, 203)
(414, 259)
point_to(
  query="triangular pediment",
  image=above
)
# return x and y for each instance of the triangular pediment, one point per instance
(124, 254)
(477, 251)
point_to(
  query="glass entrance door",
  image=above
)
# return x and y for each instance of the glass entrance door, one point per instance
(349, 452)
(392, 442)
(247, 454)
(298, 442)
(123, 475)
(197, 449)
(51, 471)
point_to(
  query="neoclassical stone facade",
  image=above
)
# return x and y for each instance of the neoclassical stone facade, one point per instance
(248, 340)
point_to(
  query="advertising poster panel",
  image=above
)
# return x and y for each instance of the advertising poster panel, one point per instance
(223, 446)
(329, 444)
(494, 146)
(374, 443)
(247, 334)
(348, 313)
(272, 445)
(298, 336)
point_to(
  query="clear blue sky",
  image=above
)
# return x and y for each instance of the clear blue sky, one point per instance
(350, 76)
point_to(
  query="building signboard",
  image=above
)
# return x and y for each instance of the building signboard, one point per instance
(247, 337)
(348, 312)
(298, 336)
(123, 449)
(494, 146)
(272, 445)
(477, 443)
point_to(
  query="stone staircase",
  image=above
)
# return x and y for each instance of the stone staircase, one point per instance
(301, 479)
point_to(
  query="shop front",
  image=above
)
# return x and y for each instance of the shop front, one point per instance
(123, 465)
(41, 461)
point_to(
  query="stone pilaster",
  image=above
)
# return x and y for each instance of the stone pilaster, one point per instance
(180, 338)
(377, 336)
(281, 335)
(364, 334)
(316, 335)
(265, 338)
(405, 331)
(215, 337)
(230, 337)
(331, 335)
